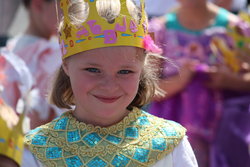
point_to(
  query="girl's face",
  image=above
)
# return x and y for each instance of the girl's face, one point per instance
(104, 82)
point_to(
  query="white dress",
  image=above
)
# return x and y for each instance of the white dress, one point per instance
(16, 78)
(43, 58)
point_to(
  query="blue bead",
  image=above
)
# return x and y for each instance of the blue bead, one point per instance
(113, 139)
(39, 140)
(74, 162)
(92, 139)
(120, 161)
(2, 140)
(53, 153)
(143, 120)
(169, 131)
(17, 148)
(141, 155)
(73, 136)
(61, 124)
(159, 144)
(97, 162)
(131, 132)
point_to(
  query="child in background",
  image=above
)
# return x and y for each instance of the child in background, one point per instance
(195, 93)
(40, 54)
(107, 76)
(15, 84)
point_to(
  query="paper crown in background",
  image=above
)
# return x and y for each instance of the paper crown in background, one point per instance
(96, 32)
(11, 136)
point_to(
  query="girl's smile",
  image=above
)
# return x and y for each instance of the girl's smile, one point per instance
(107, 99)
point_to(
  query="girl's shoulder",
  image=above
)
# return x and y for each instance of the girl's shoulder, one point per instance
(46, 131)
(223, 14)
(169, 127)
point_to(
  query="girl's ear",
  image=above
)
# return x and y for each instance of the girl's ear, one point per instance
(65, 67)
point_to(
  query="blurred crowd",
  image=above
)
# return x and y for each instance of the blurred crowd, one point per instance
(206, 77)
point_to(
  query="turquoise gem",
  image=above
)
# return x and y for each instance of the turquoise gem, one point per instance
(92, 139)
(97, 162)
(53, 152)
(39, 140)
(74, 162)
(61, 124)
(143, 120)
(113, 139)
(73, 136)
(120, 161)
(141, 155)
(170, 131)
(131, 132)
(159, 144)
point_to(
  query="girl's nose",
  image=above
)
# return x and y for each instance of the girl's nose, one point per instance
(109, 83)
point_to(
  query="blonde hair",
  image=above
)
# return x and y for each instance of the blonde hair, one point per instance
(62, 94)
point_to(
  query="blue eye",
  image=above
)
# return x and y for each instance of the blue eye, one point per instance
(93, 70)
(125, 72)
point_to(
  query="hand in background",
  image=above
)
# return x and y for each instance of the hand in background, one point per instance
(175, 84)
(222, 78)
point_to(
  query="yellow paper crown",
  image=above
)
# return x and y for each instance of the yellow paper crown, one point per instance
(11, 139)
(96, 32)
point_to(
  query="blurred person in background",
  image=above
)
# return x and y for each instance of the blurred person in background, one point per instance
(15, 85)
(201, 87)
(41, 54)
(8, 9)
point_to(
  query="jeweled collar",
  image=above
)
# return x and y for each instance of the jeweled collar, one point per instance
(140, 139)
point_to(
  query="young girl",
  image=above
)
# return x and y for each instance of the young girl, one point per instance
(104, 81)
(195, 92)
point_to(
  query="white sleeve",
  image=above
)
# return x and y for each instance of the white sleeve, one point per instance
(182, 156)
(29, 160)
